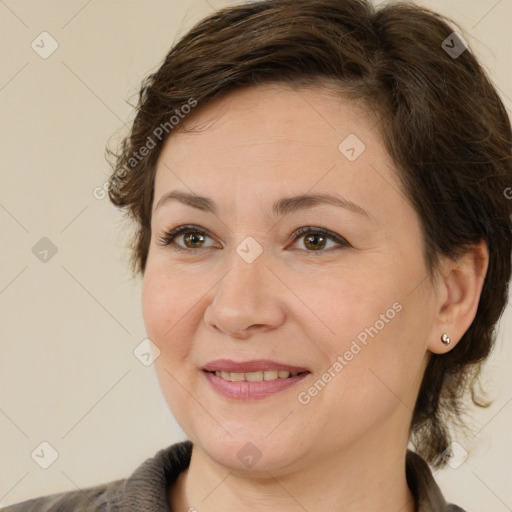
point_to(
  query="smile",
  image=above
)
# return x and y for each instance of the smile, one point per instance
(253, 379)
(255, 376)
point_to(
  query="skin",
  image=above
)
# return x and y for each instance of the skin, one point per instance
(295, 304)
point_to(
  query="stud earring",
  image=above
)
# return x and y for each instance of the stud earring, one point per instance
(445, 339)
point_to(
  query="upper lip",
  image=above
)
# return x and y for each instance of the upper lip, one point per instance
(255, 365)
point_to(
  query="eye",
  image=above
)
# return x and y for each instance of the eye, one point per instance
(315, 239)
(192, 237)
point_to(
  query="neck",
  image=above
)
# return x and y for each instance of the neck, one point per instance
(350, 480)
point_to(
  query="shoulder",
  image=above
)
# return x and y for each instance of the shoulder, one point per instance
(424, 488)
(99, 498)
(145, 490)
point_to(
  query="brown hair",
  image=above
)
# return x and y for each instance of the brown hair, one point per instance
(443, 124)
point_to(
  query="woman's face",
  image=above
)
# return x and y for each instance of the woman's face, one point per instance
(245, 293)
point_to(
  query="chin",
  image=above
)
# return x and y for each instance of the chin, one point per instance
(248, 452)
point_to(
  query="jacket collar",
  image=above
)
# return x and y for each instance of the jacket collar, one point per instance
(146, 488)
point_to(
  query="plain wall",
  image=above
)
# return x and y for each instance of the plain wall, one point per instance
(68, 375)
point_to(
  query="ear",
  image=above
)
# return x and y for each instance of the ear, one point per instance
(460, 285)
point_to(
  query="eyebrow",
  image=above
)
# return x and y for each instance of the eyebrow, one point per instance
(279, 208)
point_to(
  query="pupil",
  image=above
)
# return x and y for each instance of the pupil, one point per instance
(315, 246)
(190, 236)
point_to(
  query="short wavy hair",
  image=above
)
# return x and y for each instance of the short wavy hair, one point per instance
(442, 123)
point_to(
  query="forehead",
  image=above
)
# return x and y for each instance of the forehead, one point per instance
(274, 136)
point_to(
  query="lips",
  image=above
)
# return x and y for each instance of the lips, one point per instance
(254, 379)
(255, 376)
(255, 365)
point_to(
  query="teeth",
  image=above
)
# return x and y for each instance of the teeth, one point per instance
(255, 376)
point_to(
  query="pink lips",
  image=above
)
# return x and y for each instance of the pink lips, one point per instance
(256, 365)
(247, 390)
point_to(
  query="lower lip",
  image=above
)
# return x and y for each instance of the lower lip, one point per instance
(249, 390)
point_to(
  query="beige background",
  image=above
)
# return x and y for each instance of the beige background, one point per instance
(69, 326)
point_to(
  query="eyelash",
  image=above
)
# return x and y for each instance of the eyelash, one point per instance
(168, 238)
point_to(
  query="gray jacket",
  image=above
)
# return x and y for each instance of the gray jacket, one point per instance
(146, 489)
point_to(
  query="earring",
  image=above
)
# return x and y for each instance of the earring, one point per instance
(445, 339)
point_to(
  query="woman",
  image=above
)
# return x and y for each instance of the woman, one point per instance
(325, 243)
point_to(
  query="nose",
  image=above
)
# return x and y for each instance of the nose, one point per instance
(246, 300)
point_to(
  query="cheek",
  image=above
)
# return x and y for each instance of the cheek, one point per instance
(167, 318)
(379, 340)
(383, 362)
(165, 310)
(371, 376)
(156, 306)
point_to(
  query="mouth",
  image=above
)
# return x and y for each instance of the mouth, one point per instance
(254, 379)
(256, 376)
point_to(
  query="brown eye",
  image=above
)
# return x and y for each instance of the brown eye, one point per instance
(316, 239)
(192, 238)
